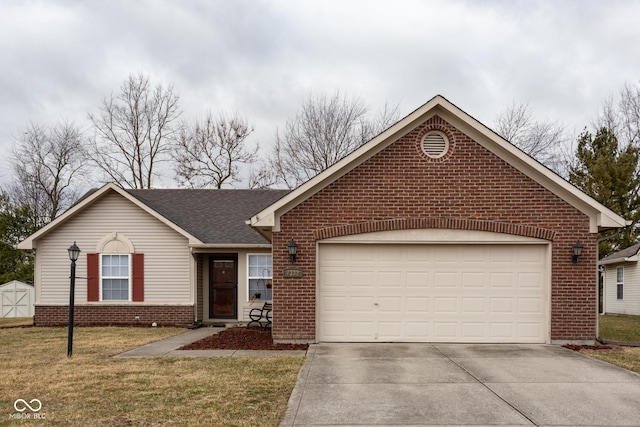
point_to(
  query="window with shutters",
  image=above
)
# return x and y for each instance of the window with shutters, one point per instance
(116, 272)
(435, 144)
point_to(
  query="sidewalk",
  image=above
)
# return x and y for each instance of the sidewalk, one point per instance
(170, 346)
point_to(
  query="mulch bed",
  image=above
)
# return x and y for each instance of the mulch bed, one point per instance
(576, 347)
(242, 338)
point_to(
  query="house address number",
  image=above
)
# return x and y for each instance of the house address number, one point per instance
(292, 272)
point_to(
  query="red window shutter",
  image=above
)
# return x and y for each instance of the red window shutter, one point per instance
(93, 277)
(137, 277)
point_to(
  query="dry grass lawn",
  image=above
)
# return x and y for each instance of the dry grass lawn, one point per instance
(93, 389)
(619, 328)
(625, 357)
(6, 322)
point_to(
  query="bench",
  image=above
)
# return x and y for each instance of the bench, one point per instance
(257, 315)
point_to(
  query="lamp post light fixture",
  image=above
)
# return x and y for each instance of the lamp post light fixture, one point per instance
(293, 251)
(74, 253)
(577, 251)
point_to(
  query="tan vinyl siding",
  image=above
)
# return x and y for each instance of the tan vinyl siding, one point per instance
(630, 304)
(167, 256)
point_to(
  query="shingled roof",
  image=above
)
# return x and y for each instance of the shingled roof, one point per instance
(213, 216)
(621, 255)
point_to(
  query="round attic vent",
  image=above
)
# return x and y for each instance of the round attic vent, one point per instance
(435, 144)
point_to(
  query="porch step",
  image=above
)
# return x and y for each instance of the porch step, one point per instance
(227, 324)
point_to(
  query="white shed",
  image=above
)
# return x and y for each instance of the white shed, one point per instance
(16, 299)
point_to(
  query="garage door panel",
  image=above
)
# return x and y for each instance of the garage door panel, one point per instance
(417, 331)
(445, 331)
(445, 305)
(390, 305)
(473, 331)
(418, 305)
(389, 330)
(420, 254)
(336, 304)
(437, 293)
(501, 280)
(390, 279)
(473, 280)
(502, 330)
(417, 279)
(445, 279)
(361, 304)
(529, 305)
(501, 305)
(361, 330)
(361, 279)
(532, 280)
(473, 305)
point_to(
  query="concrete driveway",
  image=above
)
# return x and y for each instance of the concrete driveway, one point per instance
(456, 384)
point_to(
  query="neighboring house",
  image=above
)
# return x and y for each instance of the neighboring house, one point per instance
(621, 282)
(16, 299)
(436, 230)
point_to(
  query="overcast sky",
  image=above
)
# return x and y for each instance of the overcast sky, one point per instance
(262, 58)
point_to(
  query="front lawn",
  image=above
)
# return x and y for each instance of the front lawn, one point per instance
(619, 328)
(92, 388)
(6, 322)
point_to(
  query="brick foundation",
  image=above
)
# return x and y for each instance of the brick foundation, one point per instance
(121, 315)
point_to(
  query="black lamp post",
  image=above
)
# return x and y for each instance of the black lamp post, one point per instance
(74, 252)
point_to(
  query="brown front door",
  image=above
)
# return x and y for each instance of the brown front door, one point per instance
(223, 287)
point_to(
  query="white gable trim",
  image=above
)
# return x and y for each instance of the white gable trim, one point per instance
(30, 242)
(601, 217)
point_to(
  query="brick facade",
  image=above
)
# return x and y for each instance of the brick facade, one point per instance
(111, 315)
(469, 188)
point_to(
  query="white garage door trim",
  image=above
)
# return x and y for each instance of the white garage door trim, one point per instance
(455, 301)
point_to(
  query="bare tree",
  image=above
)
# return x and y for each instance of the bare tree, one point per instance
(543, 140)
(623, 117)
(261, 176)
(133, 132)
(208, 152)
(323, 131)
(48, 164)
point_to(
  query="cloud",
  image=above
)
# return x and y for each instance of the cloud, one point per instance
(261, 58)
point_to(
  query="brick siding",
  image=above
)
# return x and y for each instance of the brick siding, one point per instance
(89, 314)
(469, 188)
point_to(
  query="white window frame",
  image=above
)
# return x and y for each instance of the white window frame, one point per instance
(619, 283)
(267, 277)
(129, 278)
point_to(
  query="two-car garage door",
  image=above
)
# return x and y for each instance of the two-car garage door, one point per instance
(485, 293)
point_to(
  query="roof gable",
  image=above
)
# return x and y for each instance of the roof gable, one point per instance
(204, 217)
(600, 217)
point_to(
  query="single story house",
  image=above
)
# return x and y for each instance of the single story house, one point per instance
(160, 256)
(16, 299)
(436, 230)
(621, 282)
